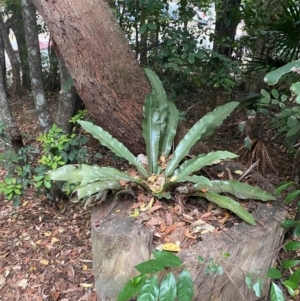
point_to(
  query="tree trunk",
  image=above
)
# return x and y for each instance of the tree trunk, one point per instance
(67, 99)
(227, 19)
(52, 81)
(35, 66)
(15, 22)
(15, 65)
(6, 117)
(2, 62)
(106, 74)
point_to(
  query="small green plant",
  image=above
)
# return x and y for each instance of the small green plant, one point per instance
(288, 121)
(11, 189)
(292, 282)
(68, 147)
(147, 286)
(289, 267)
(164, 172)
(18, 168)
(57, 150)
(212, 267)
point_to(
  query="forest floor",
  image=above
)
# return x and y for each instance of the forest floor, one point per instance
(46, 254)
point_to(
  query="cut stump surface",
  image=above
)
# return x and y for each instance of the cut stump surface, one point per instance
(120, 242)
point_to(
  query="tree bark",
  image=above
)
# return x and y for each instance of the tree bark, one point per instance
(15, 65)
(67, 99)
(105, 72)
(3, 63)
(5, 113)
(227, 19)
(16, 24)
(35, 66)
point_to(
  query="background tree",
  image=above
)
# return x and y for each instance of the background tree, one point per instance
(228, 16)
(67, 99)
(15, 65)
(34, 60)
(14, 21)
(6, 116)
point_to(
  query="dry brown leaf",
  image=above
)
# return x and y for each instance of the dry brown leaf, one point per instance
(187, 217)
(220, 175)
(169, 220)
(171, 228)
(178, 209)
(154, 208)
(86, 285)
(44, 261)
(154, 221)
(224, 219)
(206, 215)
(188, 234)
(197, 223)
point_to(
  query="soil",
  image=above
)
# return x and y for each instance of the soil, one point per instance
(45, 254)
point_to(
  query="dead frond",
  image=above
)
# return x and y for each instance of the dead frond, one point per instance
(257, 152)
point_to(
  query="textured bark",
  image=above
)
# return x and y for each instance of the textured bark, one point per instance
(15, 65)
(35, 66)
(6, 117)
(106, 74)
(2, 62)
(52, 81)
(227, 19)
(16, 24)
(67, 100)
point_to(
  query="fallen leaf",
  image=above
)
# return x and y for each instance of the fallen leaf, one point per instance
(171, 247)
(172, 228)
(136, 213)
(154, 221)
(48, 233)
(54, 240)
(225, 218)
(169, 220)
(206, 215)
(197, 223)
(148, 206)
(86, 285)
(238, 172)
(122, 183)
(178, 209)
(187, 217)
(44, 261)
(2, 280)
(154, 208)
(23, 283)
(188, 234)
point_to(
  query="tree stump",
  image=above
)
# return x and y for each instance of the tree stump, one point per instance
(120, 242)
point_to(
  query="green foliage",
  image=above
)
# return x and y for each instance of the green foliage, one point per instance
(163, 170)
(292, 282)
(281, 106)
(11, 189)
(174, 45)
(147, 287)
(56, 150)
(60, 148)
(211, 267)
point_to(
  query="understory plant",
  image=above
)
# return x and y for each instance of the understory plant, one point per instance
(147, 285)
(56, 149)
(164, 171)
